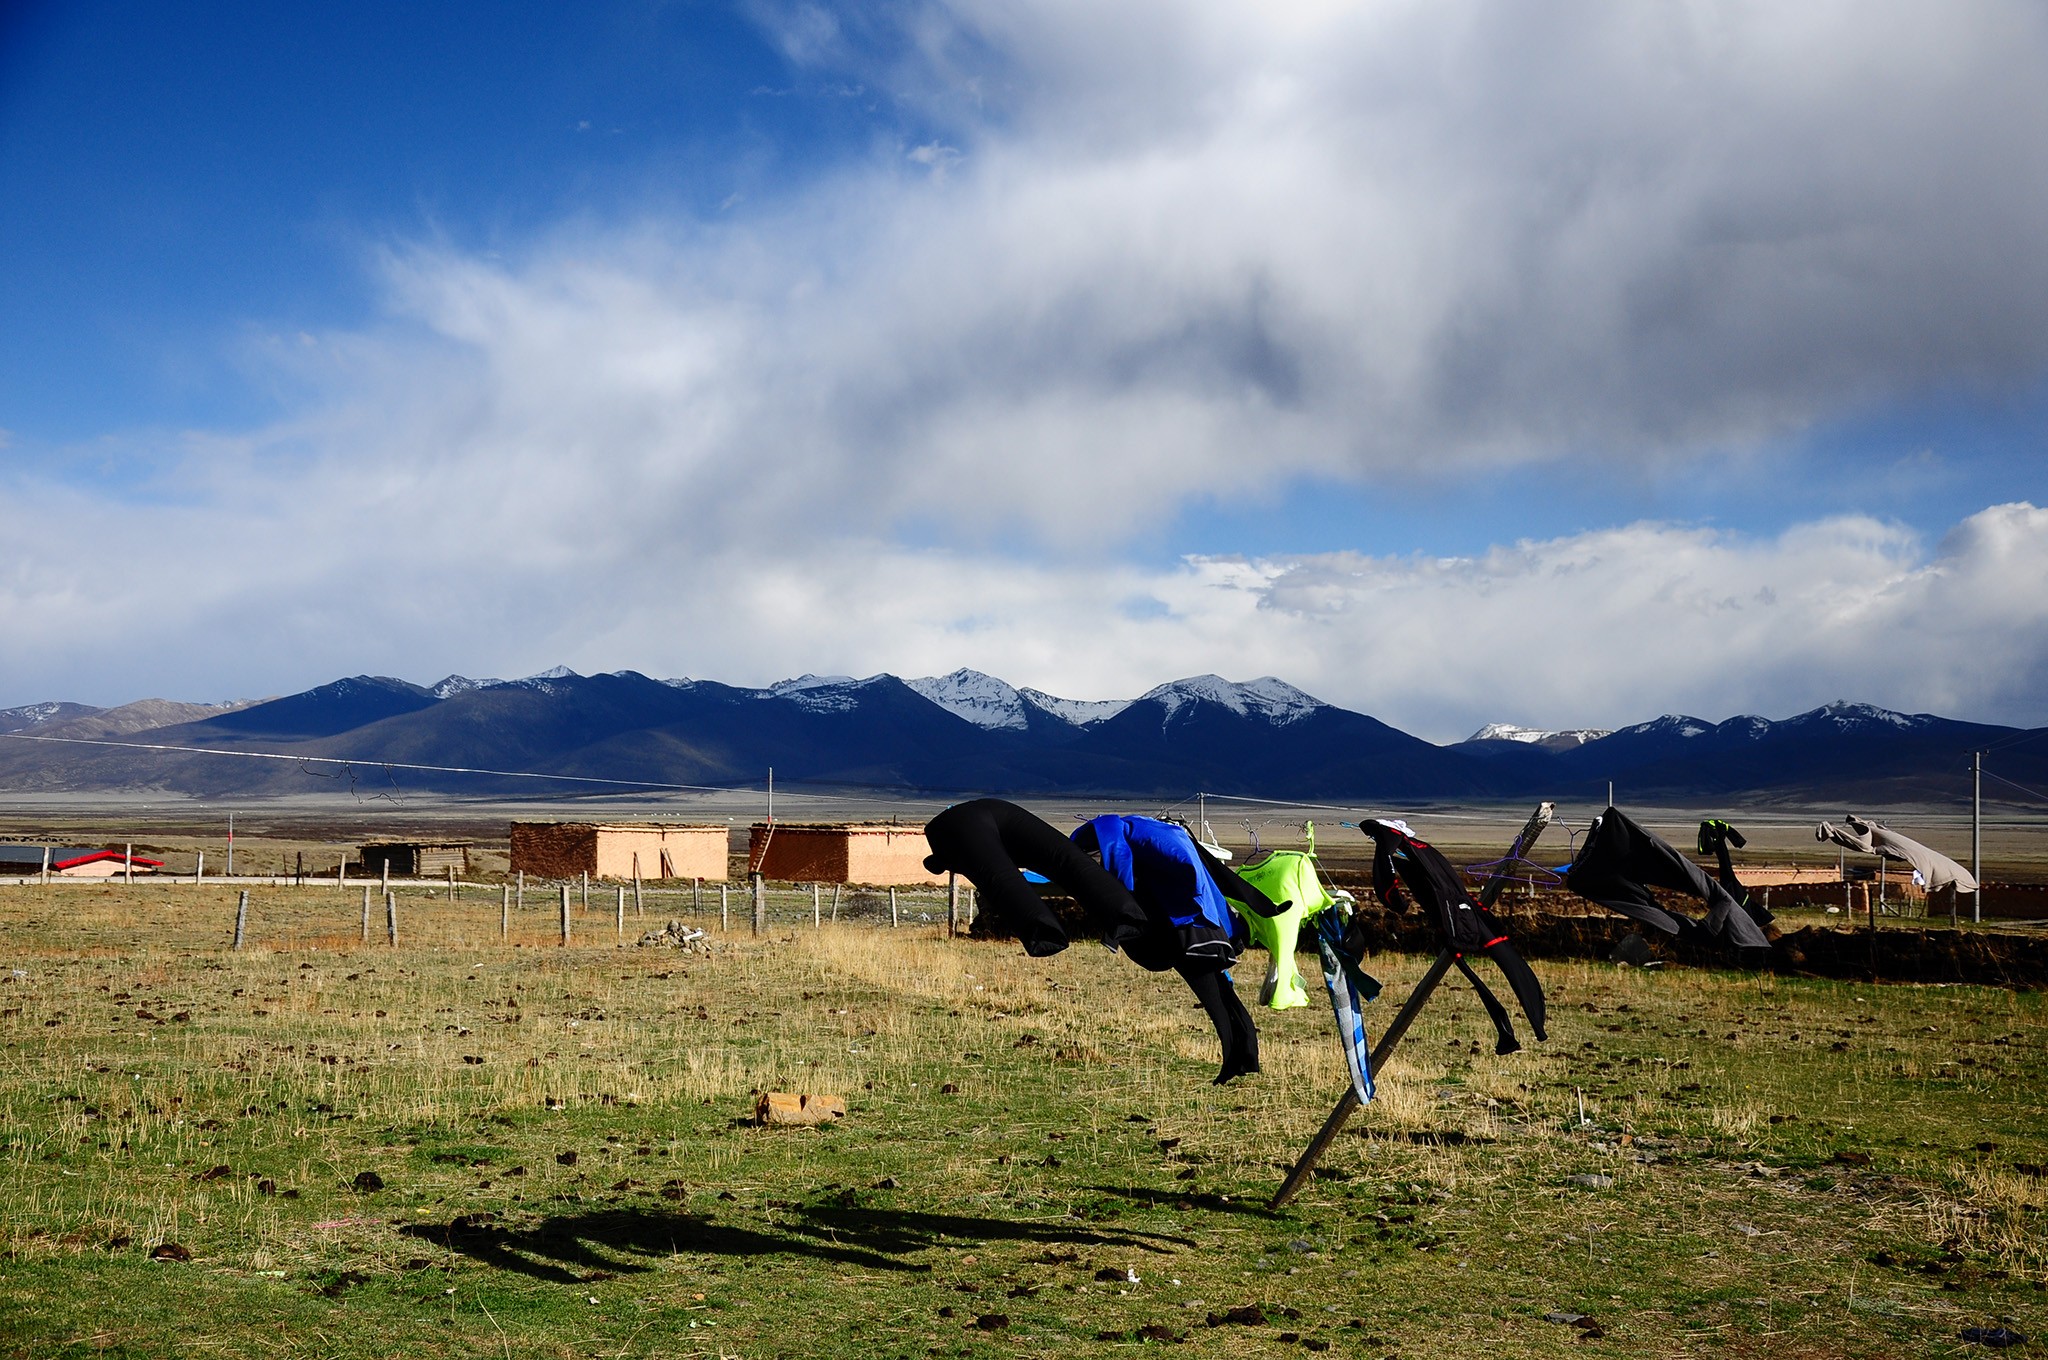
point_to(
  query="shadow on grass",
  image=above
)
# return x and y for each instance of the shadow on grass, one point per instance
(1187, 1199)
(570, 1248)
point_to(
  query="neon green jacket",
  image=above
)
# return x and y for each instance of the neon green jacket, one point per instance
(1284, 876)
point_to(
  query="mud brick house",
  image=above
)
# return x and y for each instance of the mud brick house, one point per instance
(415, 859)
(876, 854)
(619, 850)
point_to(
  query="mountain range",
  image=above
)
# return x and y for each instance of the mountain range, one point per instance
(966, 732)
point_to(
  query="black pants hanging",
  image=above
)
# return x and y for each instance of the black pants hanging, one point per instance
(991, 841)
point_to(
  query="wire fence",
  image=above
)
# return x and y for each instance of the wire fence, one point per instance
(88, 915)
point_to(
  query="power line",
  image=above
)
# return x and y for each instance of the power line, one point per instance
(2016, 784)
(351, 763)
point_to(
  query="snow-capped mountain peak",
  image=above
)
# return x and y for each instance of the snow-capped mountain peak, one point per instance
(821, 693)
(981, 699)
(1846, 715)
(1508, 732)
(460, 684)
(1266, 697)
(32, 715)
(543, 682)
(1079, 712)
(1562, 740)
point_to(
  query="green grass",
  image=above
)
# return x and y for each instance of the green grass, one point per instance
(1849, 1174)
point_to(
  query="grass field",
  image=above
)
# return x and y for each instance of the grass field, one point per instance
(460, 1147)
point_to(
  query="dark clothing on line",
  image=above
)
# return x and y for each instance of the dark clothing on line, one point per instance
(1401, 861)
(990, 842)
(1619, 862)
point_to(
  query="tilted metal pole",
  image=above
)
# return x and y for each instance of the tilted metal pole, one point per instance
(1412, 1007)
(1348, 1102)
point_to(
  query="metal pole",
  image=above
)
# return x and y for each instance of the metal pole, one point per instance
(1348, 1102)
(340, 871)
(835, 901)
(816, 915)
(565, 913)
(128, 863)
(952, 903)
(892, 908)
(622, 915)
(241, 917)
(519, 893)
(760, 904)
(1977, 835)
(366, 913)
(586, 892)
(46, 866)
(504, 912)
(199, 869)
(724, 906)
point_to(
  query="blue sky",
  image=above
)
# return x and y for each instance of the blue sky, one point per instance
(1089, 346)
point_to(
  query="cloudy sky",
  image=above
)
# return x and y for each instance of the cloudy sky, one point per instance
(1563, 364)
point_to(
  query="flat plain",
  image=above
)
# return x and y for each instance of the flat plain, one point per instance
(466, 1146)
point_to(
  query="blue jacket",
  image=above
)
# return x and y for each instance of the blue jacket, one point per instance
(1157, 861)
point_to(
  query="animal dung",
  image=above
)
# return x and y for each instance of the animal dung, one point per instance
(787, 1107)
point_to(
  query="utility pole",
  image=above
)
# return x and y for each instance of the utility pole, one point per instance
(1977, 835)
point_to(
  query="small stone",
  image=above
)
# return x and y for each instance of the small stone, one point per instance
(1593, 1182)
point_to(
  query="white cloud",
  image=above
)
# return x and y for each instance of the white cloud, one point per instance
(1182, 246)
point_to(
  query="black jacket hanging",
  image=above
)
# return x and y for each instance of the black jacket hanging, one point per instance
(1619, 862)
(1401, 861)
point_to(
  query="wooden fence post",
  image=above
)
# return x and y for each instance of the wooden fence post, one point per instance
(639, 905)
(341, 873)
(892, 906)
(391, 917)
(504, 912)
(454, 888)
(366, 913)
(696, 897)
(835, 901)
(519, 896)
(385, 882)
(814, 906)
(241, 917)
(565, 913)
(952, 904)
(622, 915)
(586, 892)
(760, 904)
